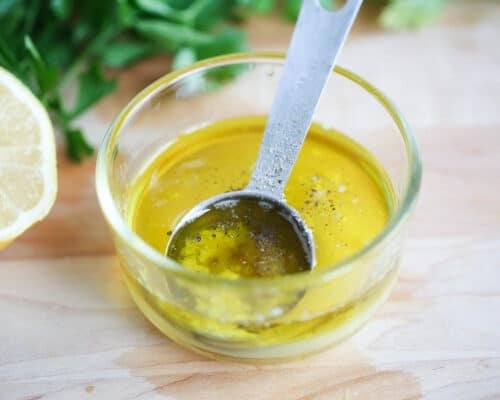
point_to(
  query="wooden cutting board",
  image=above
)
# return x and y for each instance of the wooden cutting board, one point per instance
(69, 329)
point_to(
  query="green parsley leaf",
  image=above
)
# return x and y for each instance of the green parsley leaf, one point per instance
(93, 87)
(78, 147)
(410, 13)
(170, 36)
(291, 9)
(47, 77)
(123, 53)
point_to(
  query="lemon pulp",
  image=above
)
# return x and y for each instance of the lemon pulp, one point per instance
(28, 181)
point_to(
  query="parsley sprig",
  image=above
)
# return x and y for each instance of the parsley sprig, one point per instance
(53, 44)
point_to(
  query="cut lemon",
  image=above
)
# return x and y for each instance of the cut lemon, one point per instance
(28, 180)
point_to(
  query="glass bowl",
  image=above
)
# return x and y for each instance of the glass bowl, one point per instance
(254, 319)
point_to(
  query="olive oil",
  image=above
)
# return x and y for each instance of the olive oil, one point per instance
(341, 192)
(339, 189)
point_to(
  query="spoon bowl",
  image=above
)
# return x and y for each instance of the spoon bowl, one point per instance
(259, 212)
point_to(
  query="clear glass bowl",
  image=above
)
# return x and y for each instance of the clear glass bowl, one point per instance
(254, 319)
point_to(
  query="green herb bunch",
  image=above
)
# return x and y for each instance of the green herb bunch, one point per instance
(52, 44)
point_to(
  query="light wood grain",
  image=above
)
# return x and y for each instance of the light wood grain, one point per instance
(69, 330)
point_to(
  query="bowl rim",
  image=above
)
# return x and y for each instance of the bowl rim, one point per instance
(125, 233)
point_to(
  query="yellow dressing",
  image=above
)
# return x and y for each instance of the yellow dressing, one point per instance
(338, 188)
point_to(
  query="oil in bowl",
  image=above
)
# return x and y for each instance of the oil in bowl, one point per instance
(337, 186)
(340, 190)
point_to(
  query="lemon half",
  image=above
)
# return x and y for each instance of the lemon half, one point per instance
(28, 177)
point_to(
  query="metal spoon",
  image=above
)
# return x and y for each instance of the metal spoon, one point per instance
(317, 40)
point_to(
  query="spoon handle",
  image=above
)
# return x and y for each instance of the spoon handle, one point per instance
(317, 40)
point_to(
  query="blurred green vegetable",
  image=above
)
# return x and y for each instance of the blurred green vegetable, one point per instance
(50, 44)
(410, 13)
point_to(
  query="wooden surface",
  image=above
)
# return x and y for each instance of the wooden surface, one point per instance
(69, 330)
